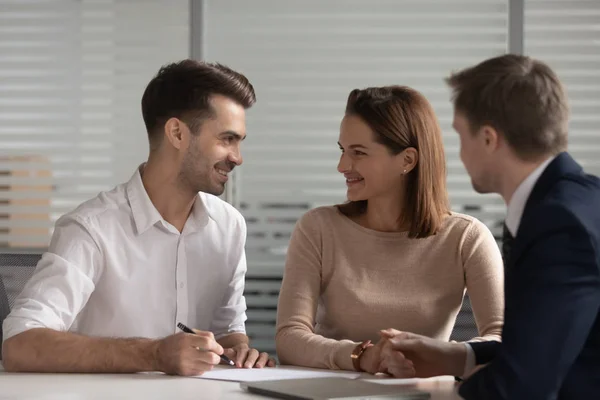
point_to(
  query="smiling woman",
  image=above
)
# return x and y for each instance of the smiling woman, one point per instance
(393, 256)
(385, 138)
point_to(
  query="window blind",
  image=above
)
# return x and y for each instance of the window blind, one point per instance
(72, 73)
(566, 35)
(303, 59)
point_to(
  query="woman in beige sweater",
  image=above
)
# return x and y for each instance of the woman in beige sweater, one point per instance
(393, 256)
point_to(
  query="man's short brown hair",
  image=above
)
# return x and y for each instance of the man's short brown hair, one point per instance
(183, 90)
(520, 97)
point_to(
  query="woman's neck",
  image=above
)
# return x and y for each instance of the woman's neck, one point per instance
(383, 215)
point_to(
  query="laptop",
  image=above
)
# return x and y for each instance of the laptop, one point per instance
(332, 389)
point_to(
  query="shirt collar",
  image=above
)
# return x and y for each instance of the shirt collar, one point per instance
(145, 215)
(199, 216)
(519, 198)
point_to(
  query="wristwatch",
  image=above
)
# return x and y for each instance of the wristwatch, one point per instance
(357, 354)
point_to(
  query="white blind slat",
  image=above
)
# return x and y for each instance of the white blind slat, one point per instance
(566, 35)
(304, 58)
(72, 74)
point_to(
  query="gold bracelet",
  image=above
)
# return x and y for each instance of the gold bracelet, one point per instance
(357, 354)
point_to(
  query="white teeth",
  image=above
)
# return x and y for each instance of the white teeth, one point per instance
(354, 179)
(222, 172)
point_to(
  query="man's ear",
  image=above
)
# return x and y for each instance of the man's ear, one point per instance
(490, 138)
(173, 131)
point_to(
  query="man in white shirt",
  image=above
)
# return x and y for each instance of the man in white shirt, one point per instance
(123, 269)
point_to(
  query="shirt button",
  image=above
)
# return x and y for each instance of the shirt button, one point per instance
(181, 285)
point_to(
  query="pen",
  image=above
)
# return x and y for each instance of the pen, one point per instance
(184, 328)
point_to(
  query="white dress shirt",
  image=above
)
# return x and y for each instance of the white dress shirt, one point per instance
(514, 212)
(516, 206)
(116, 268)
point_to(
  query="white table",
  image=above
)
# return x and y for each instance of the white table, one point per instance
(154, 386)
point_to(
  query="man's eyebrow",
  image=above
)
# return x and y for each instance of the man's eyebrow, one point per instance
(238, 136)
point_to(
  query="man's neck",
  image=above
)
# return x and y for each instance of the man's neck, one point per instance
(172, 203)
(514, 173)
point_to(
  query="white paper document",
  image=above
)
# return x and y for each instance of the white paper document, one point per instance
(225, 373)
(386, 380)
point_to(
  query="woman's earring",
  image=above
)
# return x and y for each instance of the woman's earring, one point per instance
(404, 172)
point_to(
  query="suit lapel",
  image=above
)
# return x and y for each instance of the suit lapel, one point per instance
(562, 165)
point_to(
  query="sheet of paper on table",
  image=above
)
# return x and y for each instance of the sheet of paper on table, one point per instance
(225, 373)
(385, 380)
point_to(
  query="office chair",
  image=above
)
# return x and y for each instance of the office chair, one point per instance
(465, 327)
(4, 307)
(15, 271)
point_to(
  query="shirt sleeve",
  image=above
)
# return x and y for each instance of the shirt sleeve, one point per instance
(61, 284)
(470, 361)
(230, 317)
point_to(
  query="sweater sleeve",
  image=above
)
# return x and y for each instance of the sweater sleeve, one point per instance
(484, 276)
(296, 341)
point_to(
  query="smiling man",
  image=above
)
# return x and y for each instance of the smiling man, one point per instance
(125, 267)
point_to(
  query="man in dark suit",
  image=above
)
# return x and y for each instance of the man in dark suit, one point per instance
(511, 116)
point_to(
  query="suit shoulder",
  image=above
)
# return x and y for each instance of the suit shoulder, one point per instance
(573, 199)
(554, 216)
(574, 185)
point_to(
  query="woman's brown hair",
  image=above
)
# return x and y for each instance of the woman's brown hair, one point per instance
(401, 117)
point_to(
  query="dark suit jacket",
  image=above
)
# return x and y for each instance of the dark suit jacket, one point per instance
(551, 338)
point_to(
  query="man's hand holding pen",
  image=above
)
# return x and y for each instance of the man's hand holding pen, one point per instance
(188, 354)
(193, 352)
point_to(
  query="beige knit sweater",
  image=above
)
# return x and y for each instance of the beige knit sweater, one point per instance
(343, 283)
